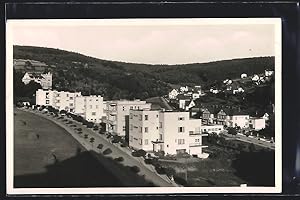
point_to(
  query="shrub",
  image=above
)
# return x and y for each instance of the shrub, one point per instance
(96, 128)
(119, 159)
(170, 171)
(180, 181)
(79, 132)
(101, 132)
(79, 129)
(100, 146)
(86, 136)
(135, 169)
(139, 153)
(107, 151)
(160, 154)
(160, 169)
(148, 161)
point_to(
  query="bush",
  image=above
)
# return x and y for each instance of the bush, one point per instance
(170, 171)
(160, 169)
(160, 154)
(139, 153)
(79, 129)
(100, 146)
(96, 128)
(180, 181)
(107, 151)
(135, 169)
(86, 136)
(101, 132)
(148, 161)
(119, 159)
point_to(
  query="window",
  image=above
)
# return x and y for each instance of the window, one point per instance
(180, 141)
(146, 141)
(131, 127)
(191, 132)
(57, 95)
(57, 101)
(141, 141)
(180, 129)
(131, 138)
(131, 107)
(123, 108)
(124, 128)
(141, 129)
(160, 137)
(97, 99)
(47, 101)
(67, 95)
(157, 128)
(71, 98)
(71, 104)
(146, 129)
(197, 140)
(160, 124)
(180, 118)
(141, 117)
(93, 113)
(156, 116)
(146, 117)
(131, 117)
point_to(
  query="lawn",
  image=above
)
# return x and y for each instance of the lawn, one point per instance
(45, 155)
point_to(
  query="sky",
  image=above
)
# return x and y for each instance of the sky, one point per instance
(152, 44)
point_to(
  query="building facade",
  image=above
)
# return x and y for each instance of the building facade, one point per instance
(171, 132)
(117, 115)
(143, 129)
(239, 120)
(212, 128)
(60, 100)
(45, 80)
(90, 107)
(257, 123)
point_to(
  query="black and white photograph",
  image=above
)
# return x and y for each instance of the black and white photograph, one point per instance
(135, 106)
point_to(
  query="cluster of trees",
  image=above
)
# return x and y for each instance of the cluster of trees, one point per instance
(117, 80)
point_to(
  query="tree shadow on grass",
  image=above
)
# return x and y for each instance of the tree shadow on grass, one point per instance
(82, 170)
(256, 168)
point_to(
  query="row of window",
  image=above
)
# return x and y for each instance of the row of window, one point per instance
(213, 129)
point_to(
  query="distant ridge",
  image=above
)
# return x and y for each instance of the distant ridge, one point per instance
(116, 80)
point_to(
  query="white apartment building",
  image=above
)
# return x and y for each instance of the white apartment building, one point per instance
(171, 132)
(212, 128)
(90, 107)
(117, 115)
(257, 123)
(45, 80)
(143, 129)
(239, 120)
(60, 100)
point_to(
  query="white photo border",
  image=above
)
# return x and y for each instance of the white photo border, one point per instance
(10, 24)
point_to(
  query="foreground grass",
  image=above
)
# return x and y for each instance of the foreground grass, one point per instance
(45, 155)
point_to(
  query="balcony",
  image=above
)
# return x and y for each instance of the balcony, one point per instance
(197, 133)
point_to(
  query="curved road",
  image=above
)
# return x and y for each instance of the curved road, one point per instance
(145, 172)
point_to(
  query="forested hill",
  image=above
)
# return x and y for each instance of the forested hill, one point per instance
(117, 80)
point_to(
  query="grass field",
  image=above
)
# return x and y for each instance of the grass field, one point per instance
(45, 155)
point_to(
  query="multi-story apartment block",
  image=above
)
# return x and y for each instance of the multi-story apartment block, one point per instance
(171, 132)
(45, 80)
(117, 115)
(239, 120)
(143, 129)
(90, 107)
(60, 100)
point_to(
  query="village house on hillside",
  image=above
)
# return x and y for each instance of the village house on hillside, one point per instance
(44, 79)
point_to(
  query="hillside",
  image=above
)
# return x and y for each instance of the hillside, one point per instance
(117, 80)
